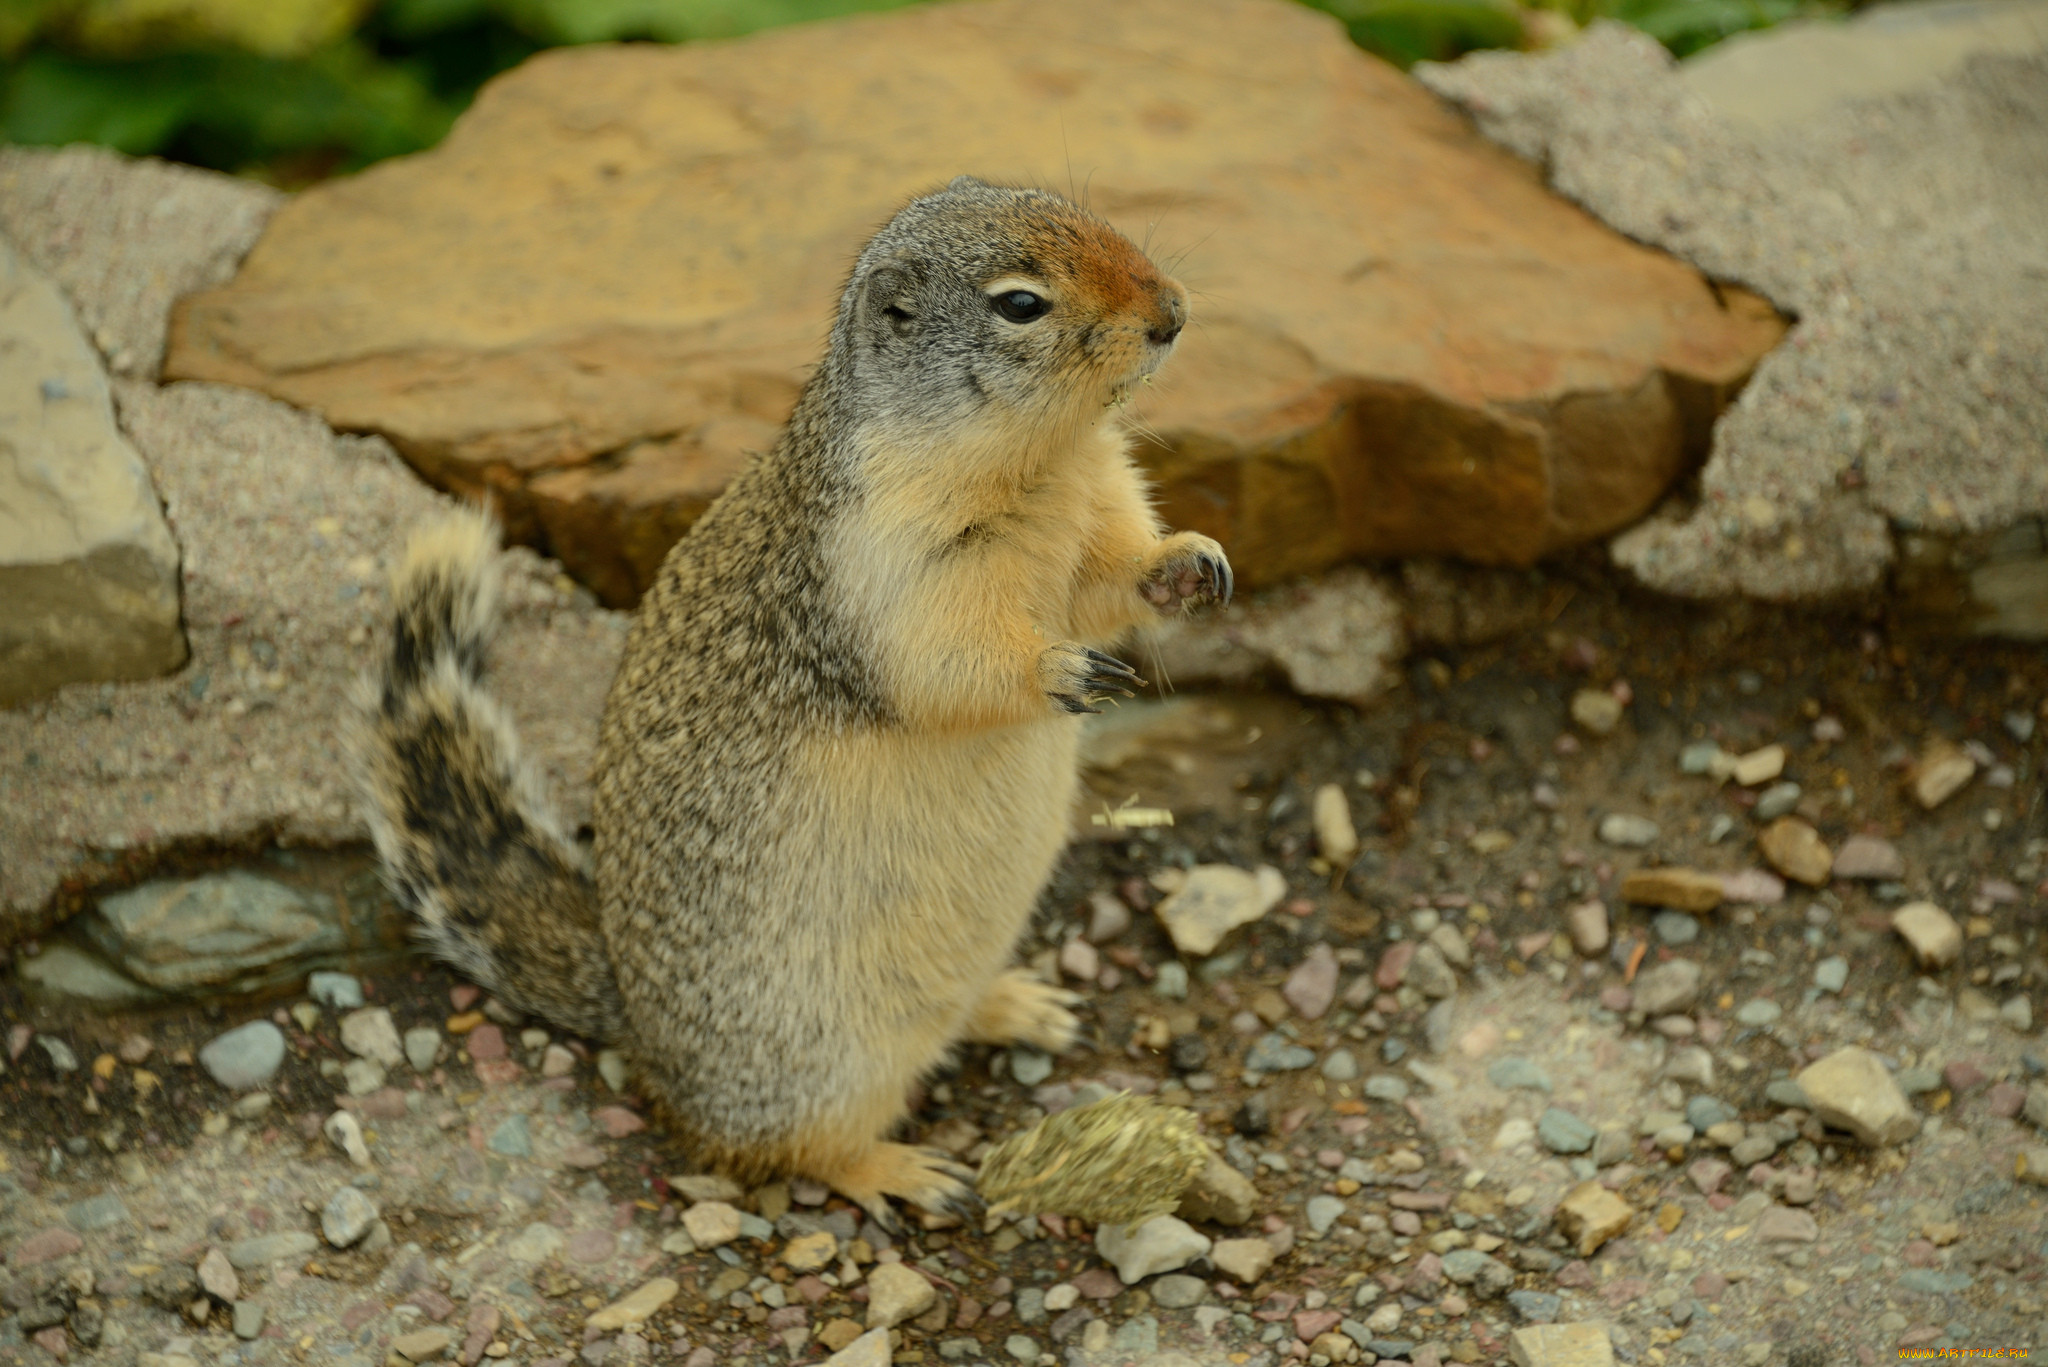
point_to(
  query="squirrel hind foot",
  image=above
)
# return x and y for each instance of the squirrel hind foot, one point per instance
(924, 1178)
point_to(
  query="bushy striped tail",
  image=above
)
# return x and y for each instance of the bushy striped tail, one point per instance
(468, 842)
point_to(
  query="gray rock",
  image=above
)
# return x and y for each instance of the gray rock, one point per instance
(347, 1217)
(1341, 1066)
(58, 1052)
(1386, 1087)
(1535, 1307)
(1484, 1274)
(342, 991)
(265, 1249)
(1512, 1070)
(1934, 1281)
(245, 1057)
(1668, 987)
(1430, 973)
(1705, 1112)
(1785, 1092)
(1323, 1212)
(98, 1212)
(1437, 1025)
(88, 569)
(1172, 980)
(423, 1048)
(63, 970)
(1630, 832)
(1691, 1064)
(2036, 1106)
(1675, 927)
(1776, 801)
(255, 484)
(1754, 1147)
(1275, 1053)
(1030, 1305)
(154, 231)
(1022, 1347)
(1161, 1244)
(1831, 974)
(513, 1137)
(1758, 1011)
(1137, 1337)
(1703, 757)
(362, 1076)
(1339, 634)
(1774, 519)
(248, 1319)
(1178, 1291)
(1563, 1132)
(1029, 1066)
(226, 932)
(1918, 1081)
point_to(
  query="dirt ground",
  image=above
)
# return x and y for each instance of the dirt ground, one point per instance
(1477, 800)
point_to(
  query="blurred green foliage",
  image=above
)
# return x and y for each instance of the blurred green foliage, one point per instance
(292, 90)
(1410, 31)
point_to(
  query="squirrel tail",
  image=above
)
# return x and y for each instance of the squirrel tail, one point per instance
(468, 842)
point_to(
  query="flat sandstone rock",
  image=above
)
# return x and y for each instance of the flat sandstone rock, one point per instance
(605, 287)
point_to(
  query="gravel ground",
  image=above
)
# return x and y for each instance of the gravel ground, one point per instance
(1421, 1133)
(1907, 234)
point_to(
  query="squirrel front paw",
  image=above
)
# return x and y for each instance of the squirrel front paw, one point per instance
(1019, 1009)
(1187, 570)
(1076, 678)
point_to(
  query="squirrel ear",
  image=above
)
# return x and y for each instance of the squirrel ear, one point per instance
(891, 295)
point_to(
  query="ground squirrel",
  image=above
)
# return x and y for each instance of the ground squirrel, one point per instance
(840, 755)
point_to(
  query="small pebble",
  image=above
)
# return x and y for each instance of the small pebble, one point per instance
(341, 991)
(1633, 832)
(1676, 928)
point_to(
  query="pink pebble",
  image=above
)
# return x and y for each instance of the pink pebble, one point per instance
(617, 1121)
(486, 1043)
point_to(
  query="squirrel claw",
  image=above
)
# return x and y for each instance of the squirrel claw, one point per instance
(1082, 677)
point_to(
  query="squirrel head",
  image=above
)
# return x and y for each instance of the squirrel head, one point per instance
(985, 306)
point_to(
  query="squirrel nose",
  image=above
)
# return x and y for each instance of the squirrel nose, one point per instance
(1173, 316)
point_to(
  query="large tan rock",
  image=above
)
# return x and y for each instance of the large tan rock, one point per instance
(88, 570)
(605, 287)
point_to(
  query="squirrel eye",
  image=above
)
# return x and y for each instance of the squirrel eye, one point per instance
(1020, 306)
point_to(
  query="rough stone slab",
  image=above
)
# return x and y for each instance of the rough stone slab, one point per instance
(1338, 636)
(606, 285)
(125, 238)
(88, 570)
(231, 932)
(1775, 78)
(1896, 229)
(289, 533)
